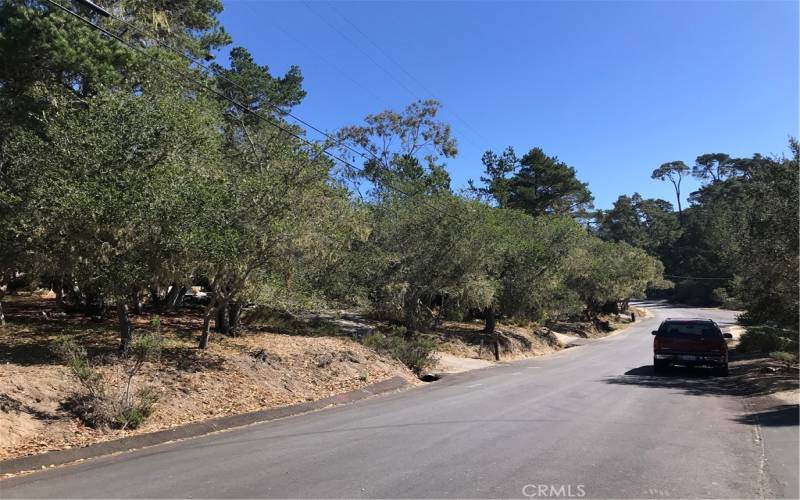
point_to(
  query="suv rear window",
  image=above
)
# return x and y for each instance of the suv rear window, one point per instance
(688, 329)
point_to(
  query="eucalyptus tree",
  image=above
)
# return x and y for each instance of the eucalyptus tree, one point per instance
(400, 151)
(415, 251)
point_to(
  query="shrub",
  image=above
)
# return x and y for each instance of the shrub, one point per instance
(141, 406)
(768, 339)
(110, 401)
(416, 352)
(76, 359)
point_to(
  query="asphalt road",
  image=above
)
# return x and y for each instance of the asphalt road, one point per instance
(590, 421)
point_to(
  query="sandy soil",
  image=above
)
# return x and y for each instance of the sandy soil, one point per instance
(449, 363)
(235, 375)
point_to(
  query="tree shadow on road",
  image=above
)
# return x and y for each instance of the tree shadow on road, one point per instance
(780, 416)
(703, 382)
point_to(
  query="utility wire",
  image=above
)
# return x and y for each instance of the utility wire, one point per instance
(155, 36)
(368, 56)
(200, 63)
(244, 108)
(403, 69)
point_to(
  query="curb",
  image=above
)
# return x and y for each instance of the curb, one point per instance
(62, 457)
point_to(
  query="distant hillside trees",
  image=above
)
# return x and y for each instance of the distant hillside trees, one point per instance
(738, 240)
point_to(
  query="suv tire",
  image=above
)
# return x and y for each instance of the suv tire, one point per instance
(660, 365)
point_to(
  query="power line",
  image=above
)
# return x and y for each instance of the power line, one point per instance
(244, 108)
(403, 69)
(327, 61)
(368, 56)
(201, 64)
(196, 61)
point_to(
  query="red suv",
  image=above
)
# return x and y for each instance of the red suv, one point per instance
(690, 342)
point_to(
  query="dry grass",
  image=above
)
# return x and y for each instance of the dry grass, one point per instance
(253, 371)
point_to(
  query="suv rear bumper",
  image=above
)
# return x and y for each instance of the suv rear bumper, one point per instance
(699, 359)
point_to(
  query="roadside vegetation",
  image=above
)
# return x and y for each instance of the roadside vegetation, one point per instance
(734, 246)
(136, 184)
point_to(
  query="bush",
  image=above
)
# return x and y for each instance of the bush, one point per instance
(416, 352)
(768, 339)
(110, 401)
(76, 359)
(141, 406)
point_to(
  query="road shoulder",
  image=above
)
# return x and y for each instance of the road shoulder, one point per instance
(62, 457)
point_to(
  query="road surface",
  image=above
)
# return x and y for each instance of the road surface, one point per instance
(591, 421)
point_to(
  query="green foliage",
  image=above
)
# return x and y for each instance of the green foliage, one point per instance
(755, 229)
(134, 414)
(528, 261)
(74, 356)
(538, 184)
(144, 347)
(416, 352)
(406, 150)
(415, 255)
(735, 246)
(110, 202)
(646, 223)
(605, 272)
(118, 176)
(109, 401)
(765, 338)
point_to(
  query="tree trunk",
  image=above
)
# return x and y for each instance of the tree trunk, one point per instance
(491, 321)
(2, 315)
(489, 329)
(410, 312)
(125, 330)
(137, 303)
(223, 324)
(58, 288)
(235, 317)
(206, 334)
(178, 300)
(680, 208)
(155, 298)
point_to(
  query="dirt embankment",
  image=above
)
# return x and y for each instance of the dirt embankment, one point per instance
(253, 371)
(280, 362)
(464, 346)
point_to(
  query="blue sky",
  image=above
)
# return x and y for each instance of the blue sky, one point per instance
(612, 88)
